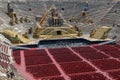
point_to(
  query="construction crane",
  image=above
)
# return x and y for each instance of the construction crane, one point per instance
(42, 21)
(45, 16)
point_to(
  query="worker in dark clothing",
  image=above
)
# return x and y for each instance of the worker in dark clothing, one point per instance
(12, 75)
(8, 74)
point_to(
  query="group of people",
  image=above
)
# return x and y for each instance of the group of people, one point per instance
(10, 74)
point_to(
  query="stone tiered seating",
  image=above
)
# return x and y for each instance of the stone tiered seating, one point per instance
(4, 65)
(112, 16)
(4, 57)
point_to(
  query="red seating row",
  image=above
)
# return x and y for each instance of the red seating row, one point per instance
(60, 51)
(109, 50)
(17, 60)
(44, 70)
(107, 64)
(117, 46)
(40, 52)
(16, 53)
(83, 49)
(115, 53)
(76, 67)
(95, 76)
(35, 60)
(53, 78)
(17, 57)
(115, 74)
(106, 48)
(66, 57)
(93, 55)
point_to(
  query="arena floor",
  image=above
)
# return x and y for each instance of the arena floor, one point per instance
(70, 63)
